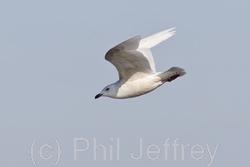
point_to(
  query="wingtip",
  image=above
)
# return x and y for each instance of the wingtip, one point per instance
(157, 38)
(172, 30)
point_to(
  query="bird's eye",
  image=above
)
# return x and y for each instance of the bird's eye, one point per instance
(107, 89)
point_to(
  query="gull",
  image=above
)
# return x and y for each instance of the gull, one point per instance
(136, 68)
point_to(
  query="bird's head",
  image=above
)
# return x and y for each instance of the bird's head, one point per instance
(109, 91)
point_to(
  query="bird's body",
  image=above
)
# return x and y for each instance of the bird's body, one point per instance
(135, 64)
(137, 87)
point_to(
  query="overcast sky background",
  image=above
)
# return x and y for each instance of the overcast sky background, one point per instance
(52, 65)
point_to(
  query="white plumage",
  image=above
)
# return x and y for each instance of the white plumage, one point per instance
(136, 68)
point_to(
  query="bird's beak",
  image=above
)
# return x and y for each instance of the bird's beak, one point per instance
(98, 95)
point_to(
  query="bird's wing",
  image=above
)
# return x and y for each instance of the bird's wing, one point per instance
(157, 38)
(133, 58)
(129, 62)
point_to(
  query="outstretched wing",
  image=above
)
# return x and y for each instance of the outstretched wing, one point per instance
(133, 58)
(129, 62)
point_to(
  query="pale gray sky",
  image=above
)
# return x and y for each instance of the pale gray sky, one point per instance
(52, 65)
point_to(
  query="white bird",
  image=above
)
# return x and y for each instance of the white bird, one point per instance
(136, 68)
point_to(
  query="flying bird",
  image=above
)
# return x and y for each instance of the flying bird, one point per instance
(136, 68)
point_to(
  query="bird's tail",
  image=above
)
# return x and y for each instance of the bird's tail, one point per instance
(171, 74)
